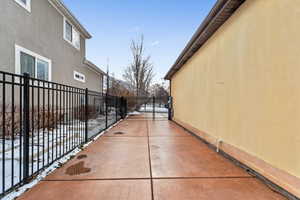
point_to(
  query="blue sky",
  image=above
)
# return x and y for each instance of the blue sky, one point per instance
(167, 26)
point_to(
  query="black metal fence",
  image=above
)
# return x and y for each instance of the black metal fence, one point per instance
(150, 107)
(42, 121)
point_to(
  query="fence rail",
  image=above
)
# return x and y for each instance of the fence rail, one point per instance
(42, 121)
(155, 107)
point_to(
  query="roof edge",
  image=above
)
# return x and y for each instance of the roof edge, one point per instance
(219, 14)
(58, 4)
(93, 66)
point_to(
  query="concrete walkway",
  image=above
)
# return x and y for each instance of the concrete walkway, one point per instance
(142, 159)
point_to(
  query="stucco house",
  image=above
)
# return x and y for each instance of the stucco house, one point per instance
(43, 38)
(236, 85)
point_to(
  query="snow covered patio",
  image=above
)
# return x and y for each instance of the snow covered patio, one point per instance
(144, 159)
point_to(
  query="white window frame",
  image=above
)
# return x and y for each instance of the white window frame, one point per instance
(19, 49)
(26, 5)
(74, 30)
(80, 74)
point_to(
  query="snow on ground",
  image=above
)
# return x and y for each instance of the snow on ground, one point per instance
(149, 108)
(134, 113)
(45, 147)
(14, 194)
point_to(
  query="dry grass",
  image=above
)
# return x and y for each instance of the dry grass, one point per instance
(11, 119)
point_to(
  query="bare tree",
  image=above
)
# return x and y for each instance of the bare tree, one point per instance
(159, 90)
(139, 73)
(118, 88)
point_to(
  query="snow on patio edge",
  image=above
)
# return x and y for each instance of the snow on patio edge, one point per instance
(19, 191)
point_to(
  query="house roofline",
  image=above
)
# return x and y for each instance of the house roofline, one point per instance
(70, 16)
(218, 15)
(93, 67)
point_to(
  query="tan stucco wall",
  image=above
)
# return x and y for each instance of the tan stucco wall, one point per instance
(243, 85)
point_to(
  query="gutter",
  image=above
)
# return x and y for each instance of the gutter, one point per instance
(93, 67)
(220, 13)
(62, 8)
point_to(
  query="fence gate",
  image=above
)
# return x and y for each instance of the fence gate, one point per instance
(148, 107)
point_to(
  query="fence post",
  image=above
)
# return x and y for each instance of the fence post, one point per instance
(153, 110)
(86, 113)
(116, 107)
(170, 104)
(106, 112)
(26, 127)
(123, 107)
(126, 107)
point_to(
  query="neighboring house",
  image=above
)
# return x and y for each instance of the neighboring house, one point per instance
(43, 38)
(236, 84)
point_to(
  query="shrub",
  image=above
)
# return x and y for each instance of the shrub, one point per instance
(80, 112)
(43, 119)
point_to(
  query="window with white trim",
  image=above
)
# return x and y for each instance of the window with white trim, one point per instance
(79, 77)
(25, 4)
(29, 62)
(71, 35)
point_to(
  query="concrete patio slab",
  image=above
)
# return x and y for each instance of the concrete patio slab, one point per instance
(148, 116)
(118, 167)
(165, 129)
(129, 128)
(108, 158)
(213, 189)
(188, 157)
(90, 190)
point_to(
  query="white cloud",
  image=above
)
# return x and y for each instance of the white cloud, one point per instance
(155, 43)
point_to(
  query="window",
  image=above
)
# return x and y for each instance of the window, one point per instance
(71, 34)
(25, 4)
(27, 64)
(68, 28)
(42, 69)
(79, 77)
(32, 63)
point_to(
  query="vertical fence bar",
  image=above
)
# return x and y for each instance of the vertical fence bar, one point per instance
(126, 107)
(43, 121)
(86, 113)
(169, 108)
(106, 112)
(72, 113)
(20, 131)
(56, 119)
(38, 126)
(26, 127)
(52, 124)
(67, 136)
(60, 116)
(13, 130)
(3, 132)
(64, 119)
(77, 117)
(116, 108)
(48, 124)
(121, 109)
(32, 125)
(153, 109)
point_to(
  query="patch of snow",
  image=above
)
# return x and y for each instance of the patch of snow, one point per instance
(134, 113)
(157, 108)
(17, 192)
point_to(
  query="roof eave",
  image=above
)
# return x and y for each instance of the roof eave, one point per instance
(219, 14)
(67, 13)
(93, 67)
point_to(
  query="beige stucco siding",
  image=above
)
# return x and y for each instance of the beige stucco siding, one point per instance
(94, 80)
(243, 85)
